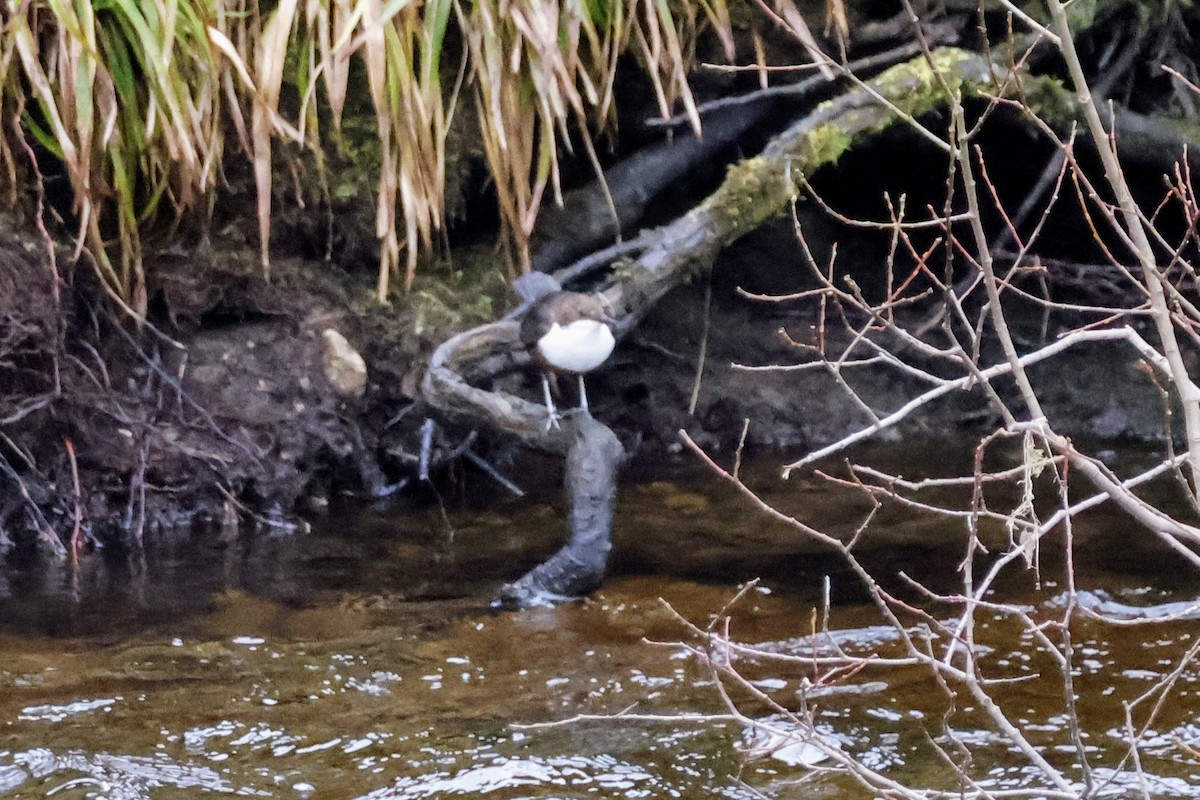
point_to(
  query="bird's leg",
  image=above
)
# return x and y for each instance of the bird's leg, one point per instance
(552, 422)
(582, 396)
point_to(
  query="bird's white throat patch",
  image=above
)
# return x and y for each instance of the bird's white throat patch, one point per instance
(579, 346)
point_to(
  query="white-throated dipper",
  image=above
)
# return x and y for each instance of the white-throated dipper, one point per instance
(567, 332)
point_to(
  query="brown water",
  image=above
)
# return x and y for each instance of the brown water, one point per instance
(362, 661)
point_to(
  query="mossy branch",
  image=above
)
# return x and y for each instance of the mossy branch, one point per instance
(759, 188)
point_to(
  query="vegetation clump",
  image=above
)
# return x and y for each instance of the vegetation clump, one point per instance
(144, 106)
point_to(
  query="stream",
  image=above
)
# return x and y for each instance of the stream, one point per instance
(362, 660)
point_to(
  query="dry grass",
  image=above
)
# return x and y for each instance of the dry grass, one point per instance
(134, 98)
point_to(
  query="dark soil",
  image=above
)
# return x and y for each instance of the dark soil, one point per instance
(219, 413)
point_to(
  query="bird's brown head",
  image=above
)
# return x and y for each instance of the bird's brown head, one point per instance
(562, 308)
(586, 306)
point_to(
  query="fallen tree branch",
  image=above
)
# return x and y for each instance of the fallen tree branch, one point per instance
(463, 369)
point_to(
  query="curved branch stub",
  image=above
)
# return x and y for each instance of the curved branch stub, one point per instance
(480, 354)
(591, 480)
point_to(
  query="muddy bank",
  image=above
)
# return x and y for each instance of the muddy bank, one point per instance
(229, 411)
(230, 407)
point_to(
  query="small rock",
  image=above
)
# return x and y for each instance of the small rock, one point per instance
(344, 367)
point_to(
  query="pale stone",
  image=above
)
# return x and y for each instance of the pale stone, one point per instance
(344, 367)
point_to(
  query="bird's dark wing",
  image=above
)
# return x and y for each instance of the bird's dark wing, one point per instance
(538, 319)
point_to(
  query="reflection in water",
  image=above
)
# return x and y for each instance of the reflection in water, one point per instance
(363, 662)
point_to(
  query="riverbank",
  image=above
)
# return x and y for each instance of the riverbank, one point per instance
(227, 413)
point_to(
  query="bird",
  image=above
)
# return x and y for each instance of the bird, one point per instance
(567, 332)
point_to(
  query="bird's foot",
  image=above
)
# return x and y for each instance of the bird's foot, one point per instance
(556, 418)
